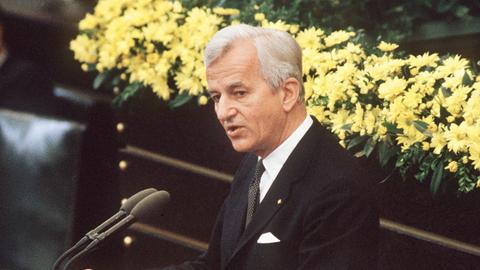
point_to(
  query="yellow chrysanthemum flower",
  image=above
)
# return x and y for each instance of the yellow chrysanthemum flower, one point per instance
(451, 65)
(259, 17)
(310, 38)
(387, 47)
(452, 166)
(456, 136)
(391, 88)
(202, 100)
(338, 37)
(226, 11)
(279, 25)
(474, 152)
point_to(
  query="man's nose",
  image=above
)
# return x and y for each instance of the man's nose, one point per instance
(224, 109)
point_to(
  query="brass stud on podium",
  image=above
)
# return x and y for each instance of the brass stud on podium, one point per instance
(127, 241)
(123, 165)
(120, 127)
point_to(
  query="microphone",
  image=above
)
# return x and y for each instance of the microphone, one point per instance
(153, 202)
(125, 209)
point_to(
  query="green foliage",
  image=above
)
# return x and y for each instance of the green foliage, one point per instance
(437, 176)
(377, 101)
(386, 151)
(128, 92)
(389, 20)
(101, 78)
(179, 100)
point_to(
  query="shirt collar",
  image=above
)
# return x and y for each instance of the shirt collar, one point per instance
(274, 162)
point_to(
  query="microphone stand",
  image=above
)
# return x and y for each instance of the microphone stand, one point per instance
(97, 238)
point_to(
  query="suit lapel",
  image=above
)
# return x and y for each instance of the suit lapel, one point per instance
(234, 216)
(292, 171)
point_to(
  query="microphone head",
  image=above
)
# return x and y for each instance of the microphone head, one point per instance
(153, 202)
(130, 203)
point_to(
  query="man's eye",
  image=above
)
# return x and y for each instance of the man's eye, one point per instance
(240, 93)
(215, 98)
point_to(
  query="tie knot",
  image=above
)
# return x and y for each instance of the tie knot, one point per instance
(259, 169)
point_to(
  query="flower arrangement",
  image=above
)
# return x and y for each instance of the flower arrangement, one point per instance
(417, 112)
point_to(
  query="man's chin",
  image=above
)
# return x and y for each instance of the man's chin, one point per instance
(240, 147)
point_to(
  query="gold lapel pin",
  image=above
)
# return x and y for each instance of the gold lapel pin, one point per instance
(279, 201)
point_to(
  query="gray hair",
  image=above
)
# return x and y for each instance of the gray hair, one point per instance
(279, 54)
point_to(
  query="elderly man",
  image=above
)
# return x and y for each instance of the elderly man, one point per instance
(297, 200)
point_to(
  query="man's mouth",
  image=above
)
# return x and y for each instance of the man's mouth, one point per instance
(232, 130)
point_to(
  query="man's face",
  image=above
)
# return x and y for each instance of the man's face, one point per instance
(249, 110)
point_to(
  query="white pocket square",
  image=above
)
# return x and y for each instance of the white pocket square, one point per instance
(267, 238)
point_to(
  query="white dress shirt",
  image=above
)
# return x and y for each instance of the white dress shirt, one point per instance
(273, 163)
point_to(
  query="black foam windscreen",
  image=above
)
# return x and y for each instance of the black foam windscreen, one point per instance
(152, 203)
(131, 202)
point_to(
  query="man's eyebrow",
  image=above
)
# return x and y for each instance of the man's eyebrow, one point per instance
(235, 85)
(211, 91)
(229, 87)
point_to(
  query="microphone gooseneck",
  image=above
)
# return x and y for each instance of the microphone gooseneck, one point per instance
(148, 205)
(125, 209)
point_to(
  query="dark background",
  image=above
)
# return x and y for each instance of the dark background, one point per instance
(191, 134)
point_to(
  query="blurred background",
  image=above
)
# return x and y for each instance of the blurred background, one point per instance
(68, 157)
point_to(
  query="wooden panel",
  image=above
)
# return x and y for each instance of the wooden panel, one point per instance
(190, 133)
(411, 203)
(147, 252)
(195, 200)
(400, 252)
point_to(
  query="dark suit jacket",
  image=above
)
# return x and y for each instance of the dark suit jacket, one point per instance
(317, 207)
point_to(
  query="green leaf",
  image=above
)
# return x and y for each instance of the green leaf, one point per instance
(434, 164)
(369, 146)
(467, 80)
(392, 128)
(446, 92)
(179, 100)
(128, 92)
(466, 184)
(400, 161)
(437, 178)
(356, 141)
(100, 79)
(422, 127)
(359, 154)
(116, 80)
(385, 153)
(421, 176)
(346, 126)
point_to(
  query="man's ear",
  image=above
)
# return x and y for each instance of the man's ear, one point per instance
(291, 92)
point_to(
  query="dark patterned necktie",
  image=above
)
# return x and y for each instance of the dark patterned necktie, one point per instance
(253, 192)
